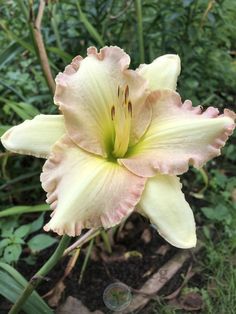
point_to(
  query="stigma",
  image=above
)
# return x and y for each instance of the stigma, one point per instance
(121, 115)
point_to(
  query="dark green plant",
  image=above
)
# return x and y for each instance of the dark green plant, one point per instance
(15, 237)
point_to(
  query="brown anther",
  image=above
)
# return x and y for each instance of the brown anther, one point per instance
(118, 91)
(130, 108)
(113, 111)
(126, 93)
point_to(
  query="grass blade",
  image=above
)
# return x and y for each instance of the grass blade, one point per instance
(9, 53)
(92, 31)
(138, 7)
(86, 260)
(19, 210)
(12, 284)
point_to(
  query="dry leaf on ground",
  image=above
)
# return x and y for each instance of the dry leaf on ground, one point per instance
(74, 306)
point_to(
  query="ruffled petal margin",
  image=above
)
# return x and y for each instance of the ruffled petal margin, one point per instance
(86, 191)
(179, 135)
(87, 91)
(35, 137)
(164, 204)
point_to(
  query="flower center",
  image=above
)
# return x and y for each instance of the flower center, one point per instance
(121, 115)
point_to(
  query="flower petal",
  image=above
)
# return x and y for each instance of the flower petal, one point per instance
(162, 73)
(86, 92)
(179, 135)
(164, 204)
(142, 111)
(34, 137)
(86, 191)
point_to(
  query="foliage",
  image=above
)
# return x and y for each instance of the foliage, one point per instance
(11, 286)
(15, 237)
(203, 34)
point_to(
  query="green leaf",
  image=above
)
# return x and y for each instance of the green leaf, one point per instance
(219, 213)
(186, 3)
(37, 224)
(9, 53)
(209, 212)
(106, 241)
(30, 260)
(23, 110)
(18, 179)
(7, 233)
(4, 128)
(12, 284)
(92, 30)
(8, 224)
(12, 89)
(22, 231)
(85, 263)
(13, 37)
(4, 243)
(18, 210)
(12, 253)
(40, 242)
(61, 53)
(17, 240)
(206, 232)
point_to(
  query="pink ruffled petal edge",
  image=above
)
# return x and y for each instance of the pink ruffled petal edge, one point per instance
(85, 191)
(178, 136)
(85, 93)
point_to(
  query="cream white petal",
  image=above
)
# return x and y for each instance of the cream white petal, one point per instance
(34, 137)
(87, 191)
(87, 93)
(179, 135)
(164, 204)
(162, 73)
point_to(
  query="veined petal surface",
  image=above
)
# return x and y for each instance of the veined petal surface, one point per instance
(162, 73)
(86, 191)
(164, 204)
(178, 136)
(35, 137)
(87, 91)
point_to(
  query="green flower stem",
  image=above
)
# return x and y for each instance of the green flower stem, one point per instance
(138, 8)
(38, 277)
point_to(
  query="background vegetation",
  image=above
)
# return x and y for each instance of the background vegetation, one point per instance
(202, 32)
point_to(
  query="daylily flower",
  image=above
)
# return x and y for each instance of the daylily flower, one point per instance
(119, 144)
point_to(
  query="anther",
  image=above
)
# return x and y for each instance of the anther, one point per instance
(126, 93)
(113, 112)
(118, 91)
(130, 108)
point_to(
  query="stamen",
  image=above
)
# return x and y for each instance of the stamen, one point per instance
(126, 93)
(121, 115)
(113, 111)
(130, 108)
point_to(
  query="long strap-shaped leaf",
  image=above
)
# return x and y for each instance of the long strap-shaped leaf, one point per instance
(12, 284)
(18, 210)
